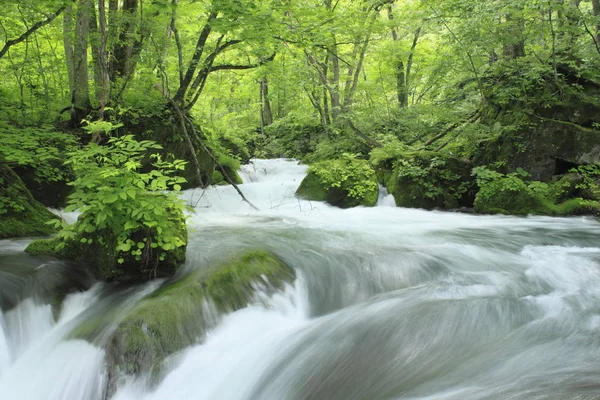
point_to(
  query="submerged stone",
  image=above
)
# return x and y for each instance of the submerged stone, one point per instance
(173, 317)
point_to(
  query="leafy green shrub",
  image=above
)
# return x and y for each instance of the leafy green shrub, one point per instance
(589, 186)
(41, 149)
(290, 137)
(510, 194)
(134, 207)
(344, 182)
(430, 180)
(391, 149)
(349, 173)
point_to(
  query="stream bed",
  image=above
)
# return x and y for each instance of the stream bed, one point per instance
(389, 303)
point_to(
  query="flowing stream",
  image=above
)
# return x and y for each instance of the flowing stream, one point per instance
(390, 303)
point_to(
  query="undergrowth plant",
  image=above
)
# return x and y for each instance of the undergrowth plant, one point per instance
(114, 191)
(42, 149)
(348, 173)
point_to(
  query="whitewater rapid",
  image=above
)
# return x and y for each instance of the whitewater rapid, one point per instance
(390, 303)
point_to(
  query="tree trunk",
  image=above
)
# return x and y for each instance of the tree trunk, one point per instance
(409, 66)
(516, 47)
(265, 105)
(98, 44)
(334, 84)
(68, 45)
(596, 10)
(81, 94)
(123, 48)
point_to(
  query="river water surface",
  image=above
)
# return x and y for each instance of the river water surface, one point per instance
(390, 303)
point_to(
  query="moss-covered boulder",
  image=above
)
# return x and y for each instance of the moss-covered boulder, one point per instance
(111, 264)
(577, 206)
(20, 214)
(431, 180)
(172, 317)
(346, 182)
(511, 197)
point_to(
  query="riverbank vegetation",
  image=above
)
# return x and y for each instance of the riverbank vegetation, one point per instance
(484, 105)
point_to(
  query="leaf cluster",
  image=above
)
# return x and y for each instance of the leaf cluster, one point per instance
(115, 191)
(353, 175)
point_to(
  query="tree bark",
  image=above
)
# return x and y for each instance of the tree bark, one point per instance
(516, 47)
(265, 110)
(81, 94)
(596, 12)
(123, 48)
(68, 46)
(98, 44)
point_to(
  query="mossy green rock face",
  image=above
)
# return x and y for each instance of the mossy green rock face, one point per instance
(431, 180)
(20, 214)
(102, 255)
(543, 147)
(311, 188)
(172, 317)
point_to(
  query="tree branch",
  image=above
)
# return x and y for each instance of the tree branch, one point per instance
(29, 31)
(241, 67)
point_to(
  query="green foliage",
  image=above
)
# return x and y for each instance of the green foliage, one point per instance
(42, 149)
(511, 194)
(291, 137)
(430, 180)
(348, 173)
(391, 149)
(590, 180)
(113, 193)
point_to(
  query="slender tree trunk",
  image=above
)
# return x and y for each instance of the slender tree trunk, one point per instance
(334, 84)
(516, 47)
(326, 107)
(68, 45)
(98, 44)
(409, 64)
(596, 11)
(123, 48)
(402, 74)
(265, 105)
(81, 94)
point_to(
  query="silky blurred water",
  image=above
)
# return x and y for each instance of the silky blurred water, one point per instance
(389, 303)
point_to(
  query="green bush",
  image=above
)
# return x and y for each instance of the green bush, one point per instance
(132, 208)
(430, 180)
(344, 182)
(510, 194)
(41, 149)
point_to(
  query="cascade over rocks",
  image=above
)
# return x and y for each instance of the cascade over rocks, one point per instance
(20, 214)
(179, 313)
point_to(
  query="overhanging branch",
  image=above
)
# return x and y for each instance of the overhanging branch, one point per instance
(29, 31)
